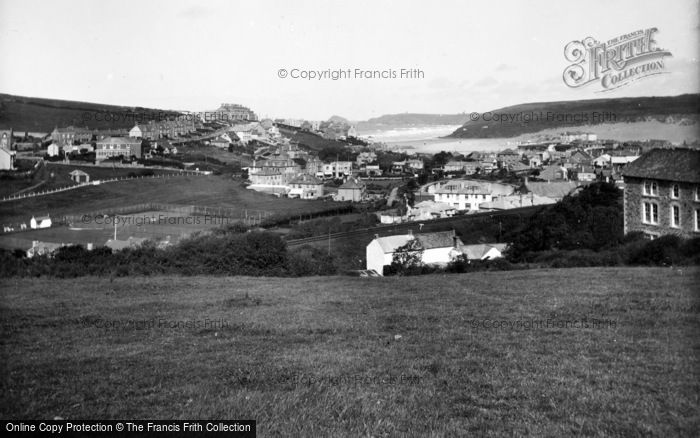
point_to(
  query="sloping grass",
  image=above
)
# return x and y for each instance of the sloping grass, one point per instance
(419, 356)
(557, 115)
(213, 191)
(39, 114)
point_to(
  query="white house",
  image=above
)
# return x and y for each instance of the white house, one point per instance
(465, 198)
(438, 248)
(53, 150)
(40, 222)
(428, 210)
(602, 161)
(469, 195)
(43, 248)
(7, 159)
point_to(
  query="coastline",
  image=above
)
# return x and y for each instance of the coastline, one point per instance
(432, 140)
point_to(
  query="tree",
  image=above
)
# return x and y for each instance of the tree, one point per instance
(407, 259)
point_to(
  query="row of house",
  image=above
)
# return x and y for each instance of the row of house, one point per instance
(154, 130)
(151, 130)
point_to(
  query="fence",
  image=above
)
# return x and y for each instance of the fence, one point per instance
(97, 182)
(159, 225)
(181, 210)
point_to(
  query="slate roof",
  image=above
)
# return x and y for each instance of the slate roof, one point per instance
(508, 152)
(681, 165)
(306, 179)
(443, 239)
(555, 190)
(353, 184)
(477, 252)
(119, 140)
(515, 201)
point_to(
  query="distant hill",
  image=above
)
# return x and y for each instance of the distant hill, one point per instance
(43, 115)
(339, 120)
(406, 120)
(535, 117)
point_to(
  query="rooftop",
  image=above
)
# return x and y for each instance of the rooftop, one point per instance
(306, 179)
(352, 183)
(443, 239)
(119, 140)
(667, 164)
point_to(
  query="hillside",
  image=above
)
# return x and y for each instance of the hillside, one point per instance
(35, 114)
(535, 117)
(219, 191)
(312, 142)
(407, 120)
(594, 352)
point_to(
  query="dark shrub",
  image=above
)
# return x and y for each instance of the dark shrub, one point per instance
(307, 260)
(661, 251)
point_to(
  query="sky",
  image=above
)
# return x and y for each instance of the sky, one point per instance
(186, 55)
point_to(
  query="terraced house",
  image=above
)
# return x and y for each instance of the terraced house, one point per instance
(662, 193)
(71, 135)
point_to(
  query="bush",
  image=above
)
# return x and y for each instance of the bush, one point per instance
(307, 261)
(662, 251)
(592, 219)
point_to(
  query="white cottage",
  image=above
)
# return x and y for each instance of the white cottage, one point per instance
(40, 222)
(438, 248)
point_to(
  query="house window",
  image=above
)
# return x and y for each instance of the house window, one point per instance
(650, 213)
(697, 220)
(675, 216)
(651, 188)
(675, 191)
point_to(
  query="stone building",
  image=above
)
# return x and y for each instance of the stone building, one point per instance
(662, 193)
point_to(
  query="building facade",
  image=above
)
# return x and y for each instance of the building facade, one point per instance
(71, 135)
(118, 146)
(437, 249)
(662, 193)
(353, 190)
(306, 186)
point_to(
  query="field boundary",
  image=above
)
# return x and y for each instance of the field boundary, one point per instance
(94, 183)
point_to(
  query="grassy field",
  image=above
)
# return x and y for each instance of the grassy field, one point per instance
(154, 225)
(452, 355)
(213, 191)
(55, 176)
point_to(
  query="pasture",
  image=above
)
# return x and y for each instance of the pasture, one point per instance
(214, 191)
(593, 352)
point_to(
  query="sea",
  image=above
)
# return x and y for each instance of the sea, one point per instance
(430, 140)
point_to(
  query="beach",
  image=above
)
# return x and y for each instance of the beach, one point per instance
(431, 139)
